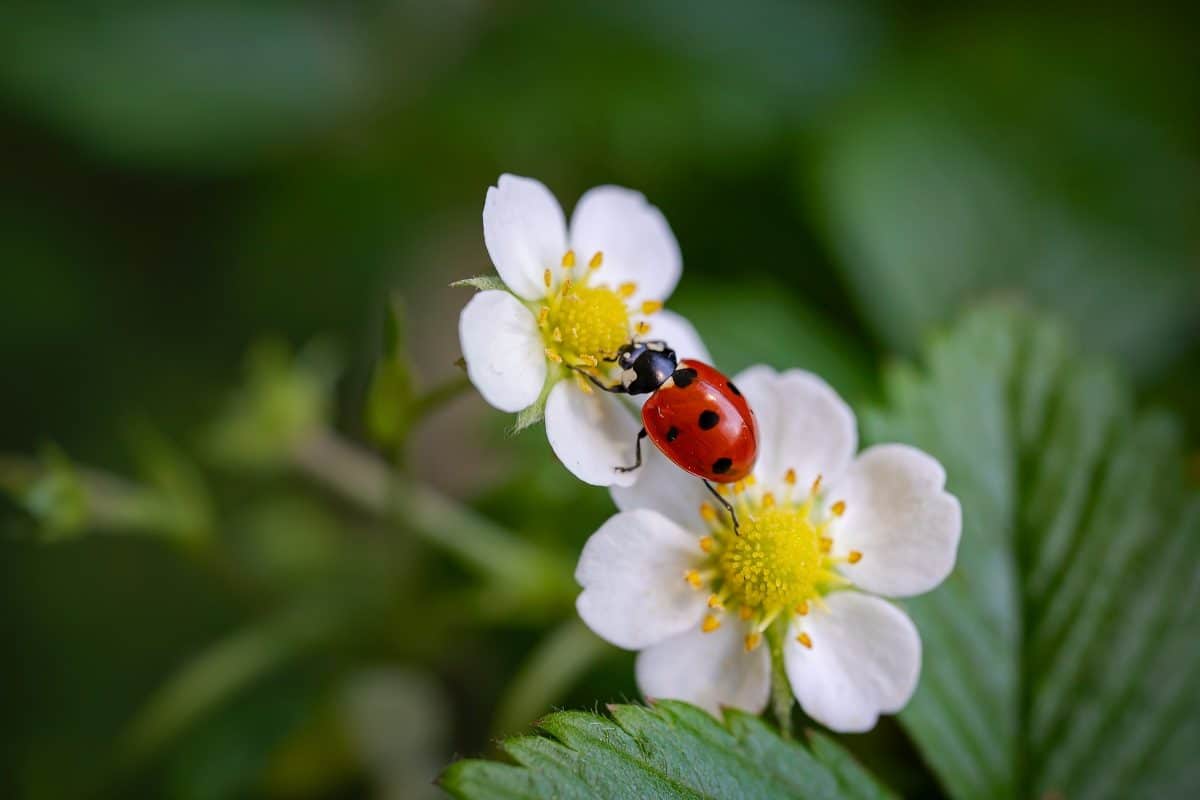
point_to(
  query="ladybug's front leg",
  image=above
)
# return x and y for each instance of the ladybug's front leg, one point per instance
(616, 388)
(638, 447)
(728, 507)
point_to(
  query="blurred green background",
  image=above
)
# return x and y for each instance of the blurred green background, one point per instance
(195, 190)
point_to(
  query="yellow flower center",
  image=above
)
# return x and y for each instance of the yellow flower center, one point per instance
(584, 325)
(778, 561)
(775, 562)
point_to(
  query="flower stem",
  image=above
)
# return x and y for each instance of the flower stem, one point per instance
(782, 699)
(366, 480)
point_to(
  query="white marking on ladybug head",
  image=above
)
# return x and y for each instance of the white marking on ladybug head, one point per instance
(628, 376)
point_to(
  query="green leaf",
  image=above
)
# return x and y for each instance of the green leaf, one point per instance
(943, 183)
(1060, 656)
(482, 283)
(671, 750)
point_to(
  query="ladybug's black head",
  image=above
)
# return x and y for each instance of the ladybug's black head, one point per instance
(645, 366)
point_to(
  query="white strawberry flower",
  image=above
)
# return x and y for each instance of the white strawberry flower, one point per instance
(570, 298)
(823, 535)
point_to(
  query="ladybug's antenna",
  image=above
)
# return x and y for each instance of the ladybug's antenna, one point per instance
(724, 502)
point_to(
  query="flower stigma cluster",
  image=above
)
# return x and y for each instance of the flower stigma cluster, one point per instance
(780, 562)
(583, 325)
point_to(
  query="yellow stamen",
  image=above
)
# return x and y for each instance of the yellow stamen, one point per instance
(790, 477)
(802, 609)
(752, 641)
(745, 612)
(566, 287)
(768, 500)
(708, 544)
(751, 480)
(693, 578)
(816, 486)
(854, 557)
(589, 360)
(714, 601)
(597, 260)
(547, 278)
(739, 487)
(553, 356)
(543, 315)
(708, 512)
(642, 328)
(838, 508)
(556, 335)
(710, 623)
(627, 289)
(568, 259)
(583, 384)
(826, 544)
(805, 640)
(650, 306)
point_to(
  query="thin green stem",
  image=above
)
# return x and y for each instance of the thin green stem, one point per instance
(364, 479)
(782, 700)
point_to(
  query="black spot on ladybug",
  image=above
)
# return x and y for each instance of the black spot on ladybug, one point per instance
(709, 419)
(733, 388)
(672, 433)
(684, 377)
(721, 466)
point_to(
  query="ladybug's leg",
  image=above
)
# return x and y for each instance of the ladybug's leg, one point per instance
(638, 461)
(616, 388)
(724, 502)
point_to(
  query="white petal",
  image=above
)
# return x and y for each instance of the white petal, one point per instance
(632, 574)
(665, 488)
(592, 434)
(899, 517)
(634, 237)
(503, 350)
(680, 334)
(803, 424)
(525, 232)
(864, 661)
(711, 670)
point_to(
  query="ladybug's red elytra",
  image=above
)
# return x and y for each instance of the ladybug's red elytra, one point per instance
(695, 415)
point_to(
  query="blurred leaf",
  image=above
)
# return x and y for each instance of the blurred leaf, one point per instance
(284, 399)
(186, 81)
(670, 750)
(51, 492)
(187, 506)
(757, 322)
(389, 403)
(1060, 656)
(1050, 159)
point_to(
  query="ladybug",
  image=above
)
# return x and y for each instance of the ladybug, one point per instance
(695, 415)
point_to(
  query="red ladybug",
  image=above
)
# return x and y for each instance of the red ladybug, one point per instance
(695, 415)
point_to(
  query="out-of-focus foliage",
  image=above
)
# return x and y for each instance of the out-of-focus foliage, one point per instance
(200, 573)
(1021, 161)
(1060, 657)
